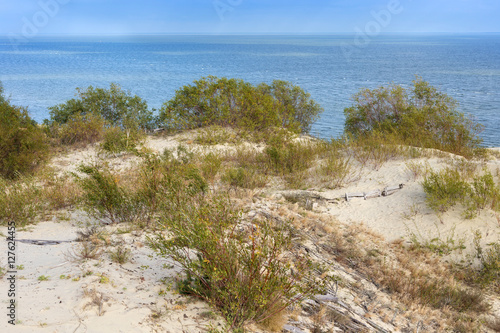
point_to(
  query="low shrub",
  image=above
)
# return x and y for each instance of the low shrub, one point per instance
(104, 198)
(20, 201)
(248, 276)
(448, 187)
(23, 144)
(81, 129)
(114, 105)
(420, 117)
(244, 178)
(117, 140)
(444, 189)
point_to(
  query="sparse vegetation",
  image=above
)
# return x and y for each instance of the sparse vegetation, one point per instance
(448, 187)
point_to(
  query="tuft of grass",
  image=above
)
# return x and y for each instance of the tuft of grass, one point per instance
(86, 250)
(120, 255)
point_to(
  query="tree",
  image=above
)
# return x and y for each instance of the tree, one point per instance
(117, 107)
(234, 102)
(23, 145)
(421, 116)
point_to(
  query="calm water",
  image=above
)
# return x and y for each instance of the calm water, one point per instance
(46, 70)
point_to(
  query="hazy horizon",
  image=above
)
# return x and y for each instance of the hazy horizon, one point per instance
(89, 17)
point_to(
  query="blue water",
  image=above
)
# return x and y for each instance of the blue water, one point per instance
(46, 70)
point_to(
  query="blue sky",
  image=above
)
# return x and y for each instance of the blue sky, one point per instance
(247, 16)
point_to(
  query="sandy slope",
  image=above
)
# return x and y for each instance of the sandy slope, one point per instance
(134, 296)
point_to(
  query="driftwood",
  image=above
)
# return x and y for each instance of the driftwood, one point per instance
(376, 193)
(43, 242)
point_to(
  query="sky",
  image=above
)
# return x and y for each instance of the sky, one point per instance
(32, 17)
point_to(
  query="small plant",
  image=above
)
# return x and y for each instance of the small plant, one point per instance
(335, 169)
(86, 250)
(105, 199)
(117, 140)
(97, 299)
(43, 278)
(120, 255)
(416, 169)
(489, 263)
(210, 165)
(444, 189)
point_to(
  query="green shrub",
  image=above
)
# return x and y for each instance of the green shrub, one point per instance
(246, 275)
(82, 129)
(114, 105)
(233, 102)
(335, 168)
(421, 117)
(482, 193)
(104, 199)
(23, 144)
(117, 140)
(448, 187)
(444, 189)
(20, 201)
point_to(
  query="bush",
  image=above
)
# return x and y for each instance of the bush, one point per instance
(104, 199)
(448, 187)
(246, 275)
(19, 201)
(233, 102)
(82, 129)
(114, 105)
(444, 189)
(422, 117)
(117, 140)
(23, 145)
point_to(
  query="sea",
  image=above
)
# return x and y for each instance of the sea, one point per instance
(44, 71)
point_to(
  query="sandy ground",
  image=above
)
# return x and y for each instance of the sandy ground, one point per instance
(55, 292)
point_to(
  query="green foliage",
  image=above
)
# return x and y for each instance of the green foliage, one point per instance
(117, 140)
(249, 178)
(483, 193)
(448, 187)
(105, 199)
(81, 129)
(23, 145)
(421, 116)
(248, 275)
(233, 102)
(489, 263)
(444, 189)
(19, 201)
(117, 107)
(120, 255)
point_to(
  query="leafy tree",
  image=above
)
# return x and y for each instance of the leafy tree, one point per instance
(23, 145)
(114, 105)
(421, 116)
(234, 102)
